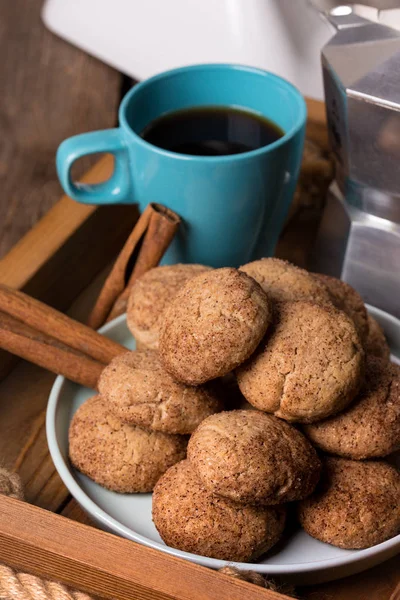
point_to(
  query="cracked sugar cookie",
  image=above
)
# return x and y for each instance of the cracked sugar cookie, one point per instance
(356, 504)
(122, 458)
(151, 294)
(310, 365)
(212, 325)
(188, 517)
(370, 426)
(139, 391)
(253, 458)
(284, 282)
(345, 298)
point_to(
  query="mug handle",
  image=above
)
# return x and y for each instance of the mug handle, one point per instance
(117, 189)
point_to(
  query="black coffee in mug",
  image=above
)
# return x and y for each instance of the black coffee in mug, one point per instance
(211, 131)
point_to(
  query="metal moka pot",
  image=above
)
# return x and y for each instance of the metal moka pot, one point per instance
(359, 235)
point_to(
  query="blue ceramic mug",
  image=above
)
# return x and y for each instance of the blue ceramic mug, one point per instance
(233, 207)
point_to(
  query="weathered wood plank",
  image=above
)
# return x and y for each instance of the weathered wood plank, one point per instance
(65, 250)
(50, 91)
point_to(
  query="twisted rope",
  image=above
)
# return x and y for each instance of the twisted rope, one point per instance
(24, 586)
(16, 585)
(260, 580)
(10, 485)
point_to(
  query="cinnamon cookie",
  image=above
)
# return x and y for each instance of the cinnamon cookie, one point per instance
(139, 391)
(376, 344)
(253, 458)
(345, 298)
(370, 427)
(117, 456)
(283, 281)
(151, 294)
(309, 367)
(212, 325)
(356, 504)
(188, 517)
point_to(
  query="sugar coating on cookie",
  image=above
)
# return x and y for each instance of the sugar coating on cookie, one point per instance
(376, 344)
(345, 298)
(188, 517)
(151, 294)
(370, 426)
(310, 365)
(139, 391)
(283, 281)
(356, 504)
(120, 457)
(253, 458)
(212, 325)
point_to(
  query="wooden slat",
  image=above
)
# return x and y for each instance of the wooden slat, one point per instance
(23, 443)
(378, 583)
(58, 228)
(73, 511)
(396, 593)
(50, 90)
(57, 259)
(85, 558)
(316, 123)
(51, 233)
(23, 397)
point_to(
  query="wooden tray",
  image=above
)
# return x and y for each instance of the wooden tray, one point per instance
(63, 261)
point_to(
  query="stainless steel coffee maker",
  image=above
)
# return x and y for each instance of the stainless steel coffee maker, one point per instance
(359, 235)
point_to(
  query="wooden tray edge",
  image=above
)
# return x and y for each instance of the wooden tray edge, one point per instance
(66, 249)
(100, 563)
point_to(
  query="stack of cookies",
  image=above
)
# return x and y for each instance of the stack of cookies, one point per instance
(129, 435)
(318, 400)
(228, 499)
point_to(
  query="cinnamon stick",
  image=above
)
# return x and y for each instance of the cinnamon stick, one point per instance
(142, 251)
(51, 322)
(42, 350)
(117, 279)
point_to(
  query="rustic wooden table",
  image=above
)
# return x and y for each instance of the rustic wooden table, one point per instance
(50, 90)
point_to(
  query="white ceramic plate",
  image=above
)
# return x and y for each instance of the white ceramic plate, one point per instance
(297, 557)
